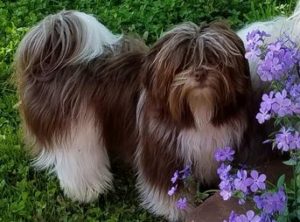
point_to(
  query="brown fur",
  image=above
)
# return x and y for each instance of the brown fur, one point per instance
(193, 77)
(54, 92)
(178, 64)
(192, 74)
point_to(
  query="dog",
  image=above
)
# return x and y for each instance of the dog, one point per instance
(195, 98)
(88, 96)
(79, 86)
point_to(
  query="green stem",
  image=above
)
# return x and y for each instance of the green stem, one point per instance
(210, 191)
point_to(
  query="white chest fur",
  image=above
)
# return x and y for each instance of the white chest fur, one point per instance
(198, 146)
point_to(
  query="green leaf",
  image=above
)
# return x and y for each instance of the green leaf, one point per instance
(290, 162)
(280, 181)
(297, 169)
(282, 218)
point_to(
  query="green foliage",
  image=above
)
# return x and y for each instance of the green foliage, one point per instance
(26, 195)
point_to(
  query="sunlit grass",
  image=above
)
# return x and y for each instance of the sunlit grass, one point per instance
(27, 195)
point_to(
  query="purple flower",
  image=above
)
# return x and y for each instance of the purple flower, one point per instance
(266, 218)
(296, 140)
(275, 47)
(223, 171)
(232, 217)
(175, 177)
(225, 185)
(255, 39)
(252, 53)
(226, 194)
(248, 217)
(172, 190)
(186, 172)
(223, 154)
(242, 201)
(279, 59)
(263, 115)
(271, 203)
(257, 181)
(242, 182)
(276, 66)
(264, 70)
(181, 203)
(283, 139)
(226, 189)
(288, 57)
(295, 108)
(294, 91)
(267, 101)
(282, 105)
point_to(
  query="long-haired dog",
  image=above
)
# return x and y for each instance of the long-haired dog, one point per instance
(79, 86)
(195, 98)
(276, 27)
(87, 94)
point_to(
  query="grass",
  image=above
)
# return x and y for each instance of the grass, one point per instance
(27, 195)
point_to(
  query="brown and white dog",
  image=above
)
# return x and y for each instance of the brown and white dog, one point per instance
(79, 87)
(87, 94)
(195, 98)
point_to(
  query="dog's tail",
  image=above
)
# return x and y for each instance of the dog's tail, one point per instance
(48, 83)
(66, 38)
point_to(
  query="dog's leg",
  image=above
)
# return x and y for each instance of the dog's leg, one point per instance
(157, 201)
(80, 162)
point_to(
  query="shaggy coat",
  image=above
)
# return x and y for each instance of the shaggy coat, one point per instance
(79, 86)
(87, 95)
(195, 99)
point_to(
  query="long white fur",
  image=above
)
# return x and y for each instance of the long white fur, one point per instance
(198, 146)
(97, 36)
(157, 202)
(80, 162)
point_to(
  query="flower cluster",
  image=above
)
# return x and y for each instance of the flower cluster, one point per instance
(278, 63)
(287, 139)
(276, 59)
(271, 203)
(181, 175)
(279, 58)
(244, 184)
(281, 104)
(250, 216)
(255, 40)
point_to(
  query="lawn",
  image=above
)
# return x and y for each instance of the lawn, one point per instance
(27, 195)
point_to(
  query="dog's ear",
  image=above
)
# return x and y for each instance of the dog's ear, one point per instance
(164, 67)
(235, 69)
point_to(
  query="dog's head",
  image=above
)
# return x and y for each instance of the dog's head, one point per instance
(197, 74)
